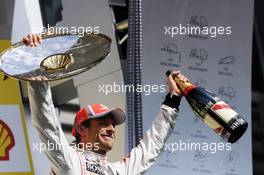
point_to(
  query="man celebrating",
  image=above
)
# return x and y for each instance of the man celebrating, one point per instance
(94, 130)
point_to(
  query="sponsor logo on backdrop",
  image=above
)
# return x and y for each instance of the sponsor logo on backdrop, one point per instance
(7, 141)
(200, 22)
(172, 55)
(227, 93)
(226, 64)
(199, 58)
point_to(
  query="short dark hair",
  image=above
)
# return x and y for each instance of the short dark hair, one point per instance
(86, 124)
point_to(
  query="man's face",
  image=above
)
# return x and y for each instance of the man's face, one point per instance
(102, 133)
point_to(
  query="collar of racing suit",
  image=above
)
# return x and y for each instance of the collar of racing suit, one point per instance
(94, 157)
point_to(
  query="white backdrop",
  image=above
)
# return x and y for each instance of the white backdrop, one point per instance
(222, 64)
(18, 160)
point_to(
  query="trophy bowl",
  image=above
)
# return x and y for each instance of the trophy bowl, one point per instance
(59, 56)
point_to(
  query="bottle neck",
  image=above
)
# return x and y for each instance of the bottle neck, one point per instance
(184, 86)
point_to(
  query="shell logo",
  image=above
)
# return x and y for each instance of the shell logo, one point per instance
(7, 141)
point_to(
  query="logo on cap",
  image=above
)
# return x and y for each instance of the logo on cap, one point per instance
(97, 111)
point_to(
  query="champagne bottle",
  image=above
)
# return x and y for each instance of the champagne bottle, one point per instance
(214, 112)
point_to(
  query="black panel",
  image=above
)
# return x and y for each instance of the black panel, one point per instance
(50, 11)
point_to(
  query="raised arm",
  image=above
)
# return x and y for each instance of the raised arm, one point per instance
(142, 157)
(45, 121)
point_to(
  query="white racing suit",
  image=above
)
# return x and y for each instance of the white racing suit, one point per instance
(70, 161)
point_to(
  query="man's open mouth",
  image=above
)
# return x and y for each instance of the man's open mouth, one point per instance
(107, 136)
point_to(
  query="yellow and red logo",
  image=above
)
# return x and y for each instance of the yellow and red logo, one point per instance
(7, 141)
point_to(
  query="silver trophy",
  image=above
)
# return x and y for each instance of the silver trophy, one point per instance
(57, 57)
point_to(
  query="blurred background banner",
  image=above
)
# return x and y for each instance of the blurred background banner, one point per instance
(219, 60)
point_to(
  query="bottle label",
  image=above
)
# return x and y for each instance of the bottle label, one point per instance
(217, 114)
(205, 109)
(224, 111)
(213, 124)
(226, 114)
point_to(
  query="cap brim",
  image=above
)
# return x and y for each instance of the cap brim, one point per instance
(118, 115)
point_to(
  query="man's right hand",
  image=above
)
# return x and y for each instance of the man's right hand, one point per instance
(32, 40)
(172, 85)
